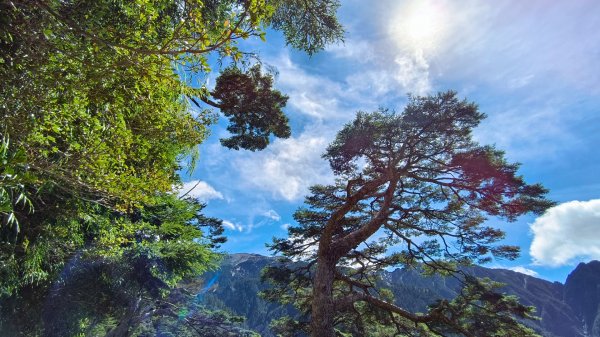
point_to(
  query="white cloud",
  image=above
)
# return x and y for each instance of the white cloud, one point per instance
(233, 226)
(310, 247)
(287, 168)
(523, 270)
(413, 72)
(271, 214)
(256, 216)
(566, 233)
(397, 67)
(309, 94)
(371, 84)
(200, 190)
(354, 49)
(285, 226)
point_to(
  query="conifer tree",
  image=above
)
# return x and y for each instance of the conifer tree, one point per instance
(413, 189)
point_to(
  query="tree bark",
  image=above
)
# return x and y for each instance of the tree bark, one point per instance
(323, 306)
(127, 321)
(322, 303)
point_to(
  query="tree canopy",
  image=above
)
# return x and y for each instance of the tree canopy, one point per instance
(413, 189)
(103, 104)
(96, 92)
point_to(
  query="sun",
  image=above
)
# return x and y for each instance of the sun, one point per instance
(419, 24)
(423, 22)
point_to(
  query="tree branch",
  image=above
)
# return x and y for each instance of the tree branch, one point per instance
(205, 100)
(228, 36)
(343, 245)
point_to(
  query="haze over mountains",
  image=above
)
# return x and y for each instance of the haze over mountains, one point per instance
(566, 310)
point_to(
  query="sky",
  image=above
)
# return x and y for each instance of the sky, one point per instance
(532, 66)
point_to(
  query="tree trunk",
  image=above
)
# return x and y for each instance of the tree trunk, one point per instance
(322, 303)
(127, 321)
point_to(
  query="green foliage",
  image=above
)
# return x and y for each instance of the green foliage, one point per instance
(13, 176)
(95, 101)
(482, 311)
(307, 25)
(288, 327)
(253, 108)
(131, 260)
(30, 263)
(97, 123)
(413, 190)
(196, 321)
(183, 314)
(99, 106)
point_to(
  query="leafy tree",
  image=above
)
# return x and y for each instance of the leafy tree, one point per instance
(95, 91)
(252, 106)
(184, 313)
(97, 118)
(97, 121)
(112, 285)
(412, 189)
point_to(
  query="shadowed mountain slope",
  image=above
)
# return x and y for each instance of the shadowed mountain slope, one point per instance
(569, 310)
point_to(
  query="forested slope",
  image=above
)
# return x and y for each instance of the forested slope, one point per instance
(565, 309)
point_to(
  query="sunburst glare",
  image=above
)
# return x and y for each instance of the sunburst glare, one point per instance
(419, 24)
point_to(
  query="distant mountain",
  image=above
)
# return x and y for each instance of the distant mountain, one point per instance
(582, 294)
(569, 310)
(236, 289)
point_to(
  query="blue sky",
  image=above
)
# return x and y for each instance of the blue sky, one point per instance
(532, 66)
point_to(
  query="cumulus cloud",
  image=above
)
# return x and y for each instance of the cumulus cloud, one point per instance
(200, 190)
(567, 232)
(287, 168)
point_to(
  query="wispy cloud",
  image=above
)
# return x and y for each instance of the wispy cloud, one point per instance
(312, 95)
(527, 131)
(412, 72)
(355, 49)
(257, 218)
(287, 168)
(523, 270)
(200, 190)
(271, 214)
(383, 58)
(502, 54)
(233, 226)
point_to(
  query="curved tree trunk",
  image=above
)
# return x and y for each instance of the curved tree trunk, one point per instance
(322, 303)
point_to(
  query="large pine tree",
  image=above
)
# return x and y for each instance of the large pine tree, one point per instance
(412, 189)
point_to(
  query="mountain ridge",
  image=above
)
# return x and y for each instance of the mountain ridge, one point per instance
(561, 308)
